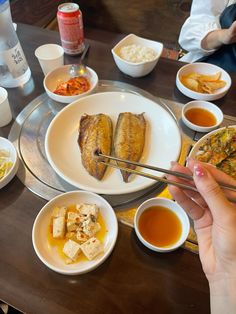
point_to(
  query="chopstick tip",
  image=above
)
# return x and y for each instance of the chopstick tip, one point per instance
(97, 155)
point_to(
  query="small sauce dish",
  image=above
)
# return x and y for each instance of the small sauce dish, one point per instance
(202, 116)
(161, 224)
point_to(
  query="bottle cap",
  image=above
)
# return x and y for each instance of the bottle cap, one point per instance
(2, 1)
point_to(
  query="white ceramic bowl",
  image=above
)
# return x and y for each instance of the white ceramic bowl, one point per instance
(203, 68)
(136, 69)
(49, 255)
(203, 105)
(9, 147)
(59, 75)
(174, 207)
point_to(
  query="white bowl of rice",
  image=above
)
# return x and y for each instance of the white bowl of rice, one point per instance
(136, 56)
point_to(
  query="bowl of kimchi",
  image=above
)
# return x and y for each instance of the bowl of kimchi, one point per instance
(61, 87)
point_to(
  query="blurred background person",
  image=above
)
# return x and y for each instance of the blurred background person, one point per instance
(209, 34)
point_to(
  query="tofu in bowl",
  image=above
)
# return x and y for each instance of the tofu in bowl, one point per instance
(75, 232)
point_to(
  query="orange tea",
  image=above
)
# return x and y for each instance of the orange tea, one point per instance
(160, 226)
(201, 117)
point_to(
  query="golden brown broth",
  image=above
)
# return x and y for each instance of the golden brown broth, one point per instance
(160, 226)
(59, 243)
(200, 117)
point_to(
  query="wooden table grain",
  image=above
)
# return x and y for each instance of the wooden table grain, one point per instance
(133, 279)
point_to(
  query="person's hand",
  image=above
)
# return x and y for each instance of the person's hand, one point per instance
(213, 215)
(215, 225)
(229, 35)
(215, 39)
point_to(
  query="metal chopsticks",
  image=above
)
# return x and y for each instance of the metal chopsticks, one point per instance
(157, 178)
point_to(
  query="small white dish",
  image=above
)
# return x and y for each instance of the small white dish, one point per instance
(207, 69)
(174, 207)
(201, 104)
(49, 255)
(60, 75)
(136, 69)
(6, 145)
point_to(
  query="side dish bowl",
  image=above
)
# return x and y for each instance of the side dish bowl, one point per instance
(206, 69)
(7, 146)
(141, 68)
(60, 75)
(207, 107)
(211, 148)
(49, 254)
(173, 207)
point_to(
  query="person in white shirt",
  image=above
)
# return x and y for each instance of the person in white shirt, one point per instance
(209, 34)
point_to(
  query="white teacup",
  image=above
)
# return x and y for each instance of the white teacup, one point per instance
(5, 110)
(50, 56)
(171, 206)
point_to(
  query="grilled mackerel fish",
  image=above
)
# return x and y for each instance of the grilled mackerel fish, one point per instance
(129, 139)
(95, 133)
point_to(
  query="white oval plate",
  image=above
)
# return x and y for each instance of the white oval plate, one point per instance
(49, 255)
(162, 144)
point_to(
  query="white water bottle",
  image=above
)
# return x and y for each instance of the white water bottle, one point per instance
(14, 69)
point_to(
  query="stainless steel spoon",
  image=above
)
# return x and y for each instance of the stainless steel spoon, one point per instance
(80, 69)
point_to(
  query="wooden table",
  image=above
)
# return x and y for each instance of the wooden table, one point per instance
(133, 279)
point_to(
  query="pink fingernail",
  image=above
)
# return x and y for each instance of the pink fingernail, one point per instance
(173, 163)
(199, 171)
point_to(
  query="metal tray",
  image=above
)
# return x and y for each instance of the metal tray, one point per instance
(28, 135)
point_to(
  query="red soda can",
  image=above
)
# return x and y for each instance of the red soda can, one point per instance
(71, 28)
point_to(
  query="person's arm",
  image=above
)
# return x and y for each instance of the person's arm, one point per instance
(217, 38)
(203, 20)
(215, 225)
(223, 295)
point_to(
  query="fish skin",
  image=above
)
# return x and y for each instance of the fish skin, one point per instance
(95, 133)
(129, 139)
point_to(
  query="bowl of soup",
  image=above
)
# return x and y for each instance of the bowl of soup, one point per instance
(161, 224)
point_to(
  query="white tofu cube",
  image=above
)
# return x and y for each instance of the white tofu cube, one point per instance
(59, 212)
(73, 221)
(72, 216)
(90, 228)
(58, 227)
(92, 248)
(71, 249)
(81, 237)
(88, 209)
